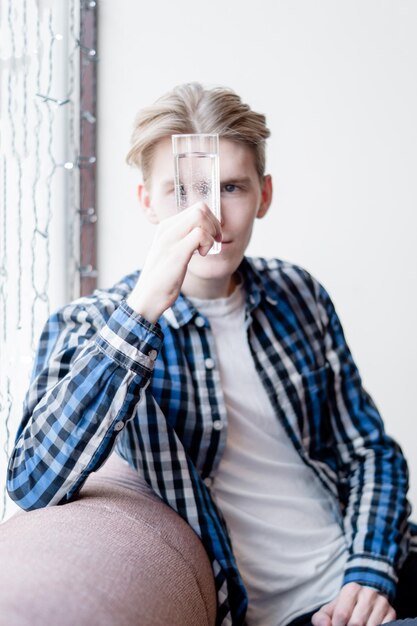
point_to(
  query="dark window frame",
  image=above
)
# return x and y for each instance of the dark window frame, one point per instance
(88, 143)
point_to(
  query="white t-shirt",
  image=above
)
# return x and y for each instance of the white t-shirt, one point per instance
(288, 544)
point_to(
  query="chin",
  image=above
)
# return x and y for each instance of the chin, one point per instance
(214, 265)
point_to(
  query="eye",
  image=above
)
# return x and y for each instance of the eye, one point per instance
(230, 188)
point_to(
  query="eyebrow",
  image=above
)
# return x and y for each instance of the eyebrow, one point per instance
(245, 180)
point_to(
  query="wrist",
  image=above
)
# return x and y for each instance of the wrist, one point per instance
(144, 309)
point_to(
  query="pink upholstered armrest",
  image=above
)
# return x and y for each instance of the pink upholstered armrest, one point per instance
(115, 556)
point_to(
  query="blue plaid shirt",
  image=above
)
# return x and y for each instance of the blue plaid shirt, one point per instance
(104, 377)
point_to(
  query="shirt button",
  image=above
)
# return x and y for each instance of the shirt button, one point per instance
(118, 426)
(199, 321)
(209, 363)
(152, 354)
(217, 425)
(208, 481)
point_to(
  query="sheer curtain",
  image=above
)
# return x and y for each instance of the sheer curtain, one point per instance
(39, 178)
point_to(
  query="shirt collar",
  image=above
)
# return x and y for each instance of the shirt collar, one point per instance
(183, 311)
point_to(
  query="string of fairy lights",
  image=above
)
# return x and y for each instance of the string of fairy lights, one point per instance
(41, 53)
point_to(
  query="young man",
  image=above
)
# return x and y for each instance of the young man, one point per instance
(227, 383)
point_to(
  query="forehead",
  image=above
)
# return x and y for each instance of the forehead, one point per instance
(236, 159)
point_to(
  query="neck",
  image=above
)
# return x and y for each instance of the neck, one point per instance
(208, 288)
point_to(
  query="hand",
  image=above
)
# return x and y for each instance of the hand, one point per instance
(356, 605)
(176, 240)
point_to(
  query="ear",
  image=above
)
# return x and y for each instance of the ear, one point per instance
(266, 196)
(146, 204)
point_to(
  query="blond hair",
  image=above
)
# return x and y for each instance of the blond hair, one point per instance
(190, 108)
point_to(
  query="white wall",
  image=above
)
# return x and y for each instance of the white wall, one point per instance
(337, 81)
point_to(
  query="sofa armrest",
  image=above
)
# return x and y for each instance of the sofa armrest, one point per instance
(117, 555)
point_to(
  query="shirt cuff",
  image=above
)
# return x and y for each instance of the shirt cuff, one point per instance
(130, 340)
(371, 571)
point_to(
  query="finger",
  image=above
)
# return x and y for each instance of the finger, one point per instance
(203, 250)
(362, 610)
(206, 216)
(197, 215)
(323, 617)
(198, 239)
(381, 610)
(183, 242)
(390, 616)
(345, 604)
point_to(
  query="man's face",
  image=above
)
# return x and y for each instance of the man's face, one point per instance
(243, 198)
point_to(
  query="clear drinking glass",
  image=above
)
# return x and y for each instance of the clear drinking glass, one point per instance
(197, 173)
